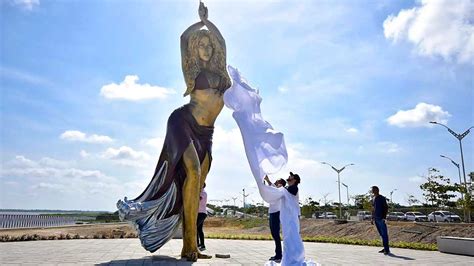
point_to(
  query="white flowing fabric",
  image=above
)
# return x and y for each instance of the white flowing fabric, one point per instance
(266, 153)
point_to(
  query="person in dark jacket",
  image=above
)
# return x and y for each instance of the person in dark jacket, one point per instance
(379, 214)
(293, 181)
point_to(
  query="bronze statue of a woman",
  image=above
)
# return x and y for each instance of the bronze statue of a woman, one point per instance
(185, 160)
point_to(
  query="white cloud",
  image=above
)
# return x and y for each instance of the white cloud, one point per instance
(124, 153)
(130, 90)
(20, 75)
(320, 87)
(127, 156)
(43, 184)
(46, 161)
(388, 147)
(437, 28)
(420, 116)
(283, 89)
(155, 143)
(48, 172)
(45, 168)
(227, 140)
(74, 135)
(416, 179)
(352, 130)
(50, 186)
(84, 154)
(26, 4)
(23, 162)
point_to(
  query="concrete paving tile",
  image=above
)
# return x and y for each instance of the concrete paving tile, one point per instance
(243, 252)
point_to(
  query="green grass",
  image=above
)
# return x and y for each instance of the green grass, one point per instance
(247, 223)
(333, 240)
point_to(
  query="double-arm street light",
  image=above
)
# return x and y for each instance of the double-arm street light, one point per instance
(459, 170)
(460, 137)
(244, 196)
(460, 182)
(347, 190)
(338, 171)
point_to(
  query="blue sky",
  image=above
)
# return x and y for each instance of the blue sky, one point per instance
(87, 87)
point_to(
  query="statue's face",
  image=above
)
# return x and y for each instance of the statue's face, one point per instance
(205, 49)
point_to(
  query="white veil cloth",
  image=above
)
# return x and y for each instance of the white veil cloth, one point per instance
(266, 153)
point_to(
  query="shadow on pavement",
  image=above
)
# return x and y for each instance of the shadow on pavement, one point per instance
(154, 259)
(399, 257)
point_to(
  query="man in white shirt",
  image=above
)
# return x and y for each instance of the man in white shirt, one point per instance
(274, 219)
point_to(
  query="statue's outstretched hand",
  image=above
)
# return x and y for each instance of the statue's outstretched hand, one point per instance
(203, 14)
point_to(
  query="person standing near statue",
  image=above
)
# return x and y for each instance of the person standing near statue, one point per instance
(379, 214)
(202, 215)
(288, 199)
(274, 219)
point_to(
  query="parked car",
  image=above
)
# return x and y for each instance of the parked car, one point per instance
(416, 216)
(396, 216)
(210, 212)
(327, 215)
(443, 216)
(364, 215)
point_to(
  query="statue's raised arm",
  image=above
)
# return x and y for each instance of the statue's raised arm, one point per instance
(203, 15)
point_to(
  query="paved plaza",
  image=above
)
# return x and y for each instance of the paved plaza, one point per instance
(243, 252)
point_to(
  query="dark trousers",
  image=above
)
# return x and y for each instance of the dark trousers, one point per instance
(383, 232)
(200, 233)
(275, 230)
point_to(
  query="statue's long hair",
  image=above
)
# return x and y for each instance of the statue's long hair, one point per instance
(192, 65)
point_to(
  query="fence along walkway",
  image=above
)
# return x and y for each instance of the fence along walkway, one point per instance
(31, 220)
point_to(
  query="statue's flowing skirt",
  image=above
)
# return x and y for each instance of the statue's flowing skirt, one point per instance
(157, 212)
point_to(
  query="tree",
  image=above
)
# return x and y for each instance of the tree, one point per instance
(325, 200)
(214, 207)
(412, 201)
(362, 201)
(309, 207)
(465, 203)
(437, 188)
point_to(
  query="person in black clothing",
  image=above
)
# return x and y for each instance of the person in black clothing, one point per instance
(293, 181)
(379, 214)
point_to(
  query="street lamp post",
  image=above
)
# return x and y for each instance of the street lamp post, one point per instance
(234, 199)
(460, 182)
(338, 171)
(347, 190)
(244, 196)
(460, 137)
(391, 200)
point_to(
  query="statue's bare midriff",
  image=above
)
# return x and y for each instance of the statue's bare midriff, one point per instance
(206, 106)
